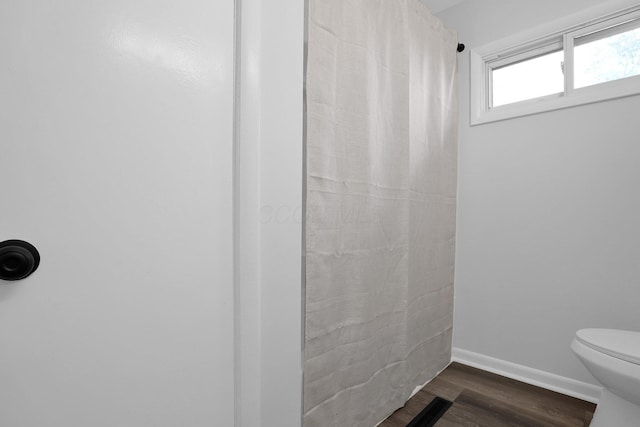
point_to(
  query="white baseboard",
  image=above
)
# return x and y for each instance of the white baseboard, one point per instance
(525, 374)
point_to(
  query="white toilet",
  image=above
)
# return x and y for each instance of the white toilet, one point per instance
(613, 358)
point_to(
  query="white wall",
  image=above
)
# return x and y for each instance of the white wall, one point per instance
(548, 224)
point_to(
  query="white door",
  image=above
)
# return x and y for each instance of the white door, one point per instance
(116, 163)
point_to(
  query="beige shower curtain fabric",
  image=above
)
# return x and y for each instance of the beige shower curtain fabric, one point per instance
(381, 205)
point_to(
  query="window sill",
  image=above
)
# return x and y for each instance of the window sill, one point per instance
(588, 95)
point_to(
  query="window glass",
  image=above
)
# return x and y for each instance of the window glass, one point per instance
(605, 59)
(532, 78)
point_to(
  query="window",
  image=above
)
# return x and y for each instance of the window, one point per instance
(527, 79)
(581, 64)
(607, 55)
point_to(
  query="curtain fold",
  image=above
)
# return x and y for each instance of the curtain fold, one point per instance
(381, 200)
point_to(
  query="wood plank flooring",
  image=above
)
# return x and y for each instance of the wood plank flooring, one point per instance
(483, 399)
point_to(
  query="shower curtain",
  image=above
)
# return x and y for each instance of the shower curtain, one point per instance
(381, 199)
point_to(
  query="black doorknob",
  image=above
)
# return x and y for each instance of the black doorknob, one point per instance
(18, 259)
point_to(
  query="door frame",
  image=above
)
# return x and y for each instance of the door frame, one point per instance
(268, 192)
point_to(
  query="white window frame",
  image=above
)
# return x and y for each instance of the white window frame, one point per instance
(559, 35)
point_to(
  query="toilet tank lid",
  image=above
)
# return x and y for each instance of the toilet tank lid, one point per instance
(624, 345)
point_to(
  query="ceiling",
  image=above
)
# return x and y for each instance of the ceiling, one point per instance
(437, 6)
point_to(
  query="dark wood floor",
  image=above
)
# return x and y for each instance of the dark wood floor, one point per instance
(483, 399)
